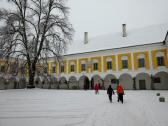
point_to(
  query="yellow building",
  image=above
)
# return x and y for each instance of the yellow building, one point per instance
(136, 59)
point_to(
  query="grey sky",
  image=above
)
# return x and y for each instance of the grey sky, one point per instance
(106, 16)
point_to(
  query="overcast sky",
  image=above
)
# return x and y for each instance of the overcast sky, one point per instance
(106, 16)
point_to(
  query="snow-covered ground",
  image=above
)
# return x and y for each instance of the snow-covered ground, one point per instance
(40, 107)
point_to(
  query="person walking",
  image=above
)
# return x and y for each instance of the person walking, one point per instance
(120, 92)
(99, 86)
(96, 89)
(110, 91)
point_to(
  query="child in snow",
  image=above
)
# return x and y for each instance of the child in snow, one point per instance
(110, 91)
(96, 89)
(120, 92)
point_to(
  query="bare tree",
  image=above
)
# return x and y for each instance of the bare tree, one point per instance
(33, 29)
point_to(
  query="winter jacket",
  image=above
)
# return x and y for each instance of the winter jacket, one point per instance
(120, 89)
(110, 91)
(97, 87)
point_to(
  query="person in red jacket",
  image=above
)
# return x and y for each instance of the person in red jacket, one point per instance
(96, 89)
(120, 92)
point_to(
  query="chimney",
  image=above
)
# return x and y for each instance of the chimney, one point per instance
(86, 37)
(124, 30)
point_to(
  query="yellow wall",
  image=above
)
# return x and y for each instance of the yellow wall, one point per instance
(2, 62)
(154, 61)
(167, 54)
(113, 57)
(147, 62)
(78, 62)
(65, 69)
(120, 61)
(57, 68)
(5, 65)
(99, 63)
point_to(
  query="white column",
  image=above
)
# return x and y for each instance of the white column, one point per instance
(132, 60)
(150, 60)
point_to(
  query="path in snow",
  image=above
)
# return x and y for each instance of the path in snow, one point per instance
(40, 107)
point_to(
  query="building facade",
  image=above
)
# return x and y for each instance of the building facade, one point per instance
(136, 66)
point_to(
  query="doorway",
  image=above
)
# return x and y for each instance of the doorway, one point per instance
(86, 83)
(142, 84)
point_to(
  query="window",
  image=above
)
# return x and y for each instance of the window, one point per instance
(53, 69)
(109, 65)
(124, 64)
(95, 66)
(160, 61)
(72, 68)
(62, 68)
(83, 67)
(141, 62)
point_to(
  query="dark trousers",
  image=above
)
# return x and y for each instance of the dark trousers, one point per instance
(120, 97)
(110, 97)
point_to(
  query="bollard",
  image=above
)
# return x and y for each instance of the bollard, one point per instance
(161, 99)
(157, 94)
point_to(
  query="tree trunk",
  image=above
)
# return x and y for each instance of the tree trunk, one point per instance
(31, 81)
(31, 77)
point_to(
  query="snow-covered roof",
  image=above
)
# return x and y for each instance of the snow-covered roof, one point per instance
(146, 35)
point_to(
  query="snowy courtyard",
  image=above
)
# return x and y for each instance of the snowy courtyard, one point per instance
(42, 107)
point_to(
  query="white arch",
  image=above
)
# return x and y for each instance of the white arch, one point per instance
(72, 82)
(126, 81)
(96, 79)
(82, 83)
(63, 83)
(107, 81)
(22, 82)
(163, 85)
(143, 80)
